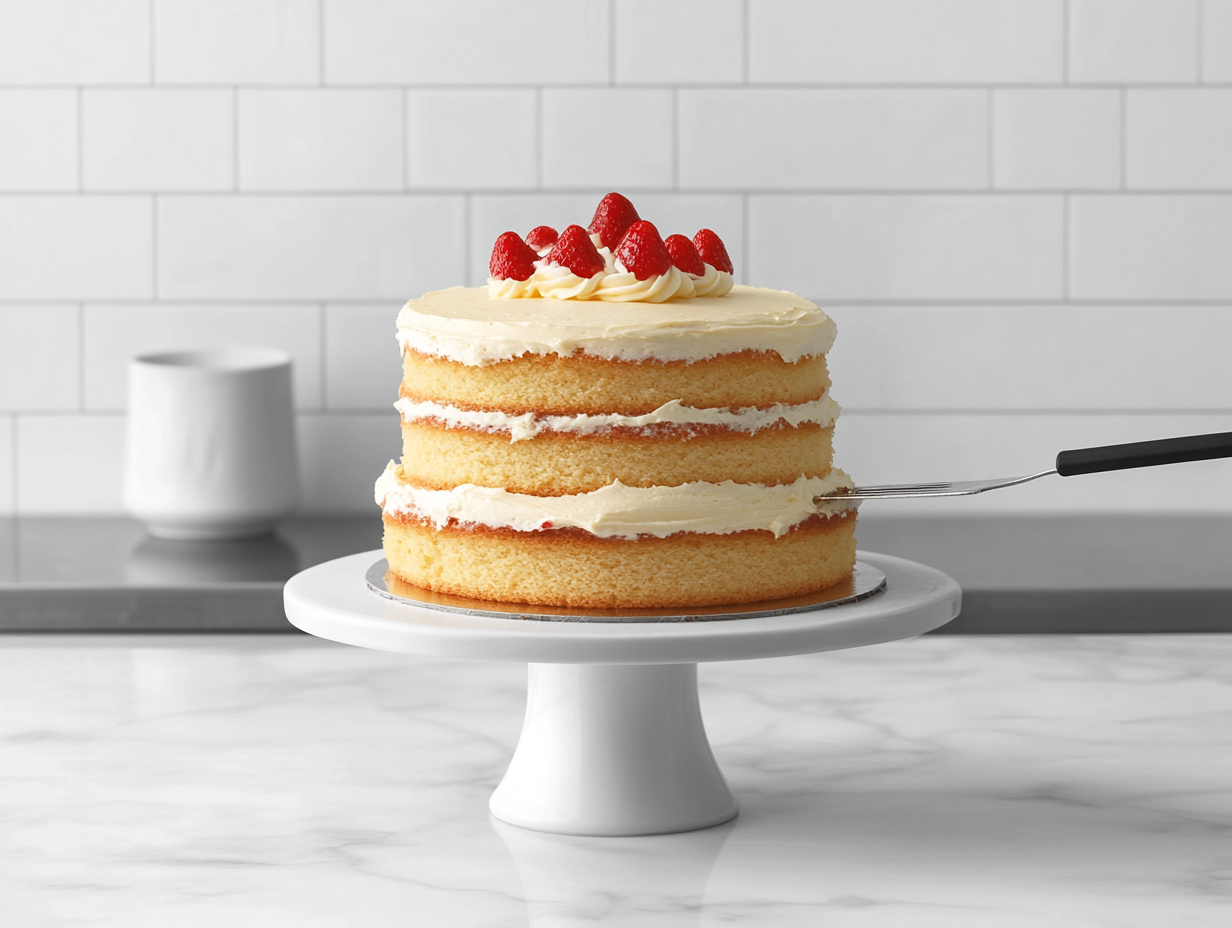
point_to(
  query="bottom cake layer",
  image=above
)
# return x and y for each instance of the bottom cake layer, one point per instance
(570, 567)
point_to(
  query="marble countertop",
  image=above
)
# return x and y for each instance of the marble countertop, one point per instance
(279, 780)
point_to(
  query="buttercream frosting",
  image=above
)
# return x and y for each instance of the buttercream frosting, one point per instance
(618, 511)
(821, 411)
(464, 324)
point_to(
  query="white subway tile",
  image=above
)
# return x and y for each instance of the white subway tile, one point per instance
(792, 139)
(7, 465)
(237, 41)
(70, 464)
(1179, 139)
(1031, 358)
(320, 139)
(1217, 40)
(904, 41)
(340, 457)
(580, 150)
(114, 334)
(308, 248)
(466, 42)
(908, 247)
(649, 49)
(74, 41)
(472, 139)
(882, 448)
(39, 357)
(157, 140)
(38, 140)
(67, 247)
(1150, 247)
(1113, 41)
(1046, 139)
(362, 363)
(670, 212)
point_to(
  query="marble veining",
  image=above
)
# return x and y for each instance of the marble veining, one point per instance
(276, 780)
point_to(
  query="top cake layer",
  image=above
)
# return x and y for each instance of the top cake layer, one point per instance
(466, 325)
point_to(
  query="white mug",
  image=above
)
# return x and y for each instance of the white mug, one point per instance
(211, 442)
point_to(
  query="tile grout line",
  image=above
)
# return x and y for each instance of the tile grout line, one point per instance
(235, 140)
(744, 42)
(14, 479)
(153, 62)
(323, 328)
(81, 139)
(1066, 202)
(81, 357)
(1065, 11)
(1200, 22)
(538, 138)
(154, 246)
(466, 238)
(675, 140)
(611, 43)
(992, 135)
(744, 233)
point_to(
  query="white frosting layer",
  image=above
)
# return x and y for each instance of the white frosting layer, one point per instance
(618, 511)
(822, 411)
(464, 324)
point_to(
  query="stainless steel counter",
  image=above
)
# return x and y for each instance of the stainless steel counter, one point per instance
(1019, 574)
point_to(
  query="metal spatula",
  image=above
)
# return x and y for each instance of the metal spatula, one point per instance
(1069, 463)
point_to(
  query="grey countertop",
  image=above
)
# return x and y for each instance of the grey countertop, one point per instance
(1019, 573)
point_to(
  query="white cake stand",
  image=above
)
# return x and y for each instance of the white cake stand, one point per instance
(613, 741)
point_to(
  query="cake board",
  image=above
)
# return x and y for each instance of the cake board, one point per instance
(613, 741)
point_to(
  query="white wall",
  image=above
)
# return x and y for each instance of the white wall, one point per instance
(1019, 211)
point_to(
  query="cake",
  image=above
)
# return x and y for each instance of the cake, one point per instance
(612, 422)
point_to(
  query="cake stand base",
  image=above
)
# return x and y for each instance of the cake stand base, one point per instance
(613, 749)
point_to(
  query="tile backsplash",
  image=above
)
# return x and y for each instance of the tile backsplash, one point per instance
(1018, 211)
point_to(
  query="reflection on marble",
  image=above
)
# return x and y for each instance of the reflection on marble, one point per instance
(1047, 781)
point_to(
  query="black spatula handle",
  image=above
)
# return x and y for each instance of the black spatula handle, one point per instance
(1145, 454)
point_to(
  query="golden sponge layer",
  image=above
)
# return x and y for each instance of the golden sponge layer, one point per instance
(556, 464)
(570, 567)
(552, 385)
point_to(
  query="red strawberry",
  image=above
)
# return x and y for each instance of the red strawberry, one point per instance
(712, 250)
(684, 255)
(643, 252)
(613, 216)
(541, 237)
(577, 252)
(512, 258)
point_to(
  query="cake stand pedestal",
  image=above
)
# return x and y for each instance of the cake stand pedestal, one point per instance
(613, 741)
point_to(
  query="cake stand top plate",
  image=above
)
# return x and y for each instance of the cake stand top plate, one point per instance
(332, 600)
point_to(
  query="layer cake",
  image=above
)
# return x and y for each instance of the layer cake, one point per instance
(593, 450)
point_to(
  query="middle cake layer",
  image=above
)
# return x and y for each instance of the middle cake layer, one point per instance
(557, 463)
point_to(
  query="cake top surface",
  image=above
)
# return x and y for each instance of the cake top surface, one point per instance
(467, 325)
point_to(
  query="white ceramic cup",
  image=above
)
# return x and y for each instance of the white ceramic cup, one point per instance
(211, 442)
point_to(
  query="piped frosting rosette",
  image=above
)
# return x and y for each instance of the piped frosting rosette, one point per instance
(620, 258)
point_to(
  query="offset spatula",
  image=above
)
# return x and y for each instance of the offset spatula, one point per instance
(1069, 463)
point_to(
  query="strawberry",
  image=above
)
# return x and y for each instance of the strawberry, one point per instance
(613, 216)
(642, 251)
(512, 258)
(577, 252)
(541, 237)
(712, 250)
(684, 255)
